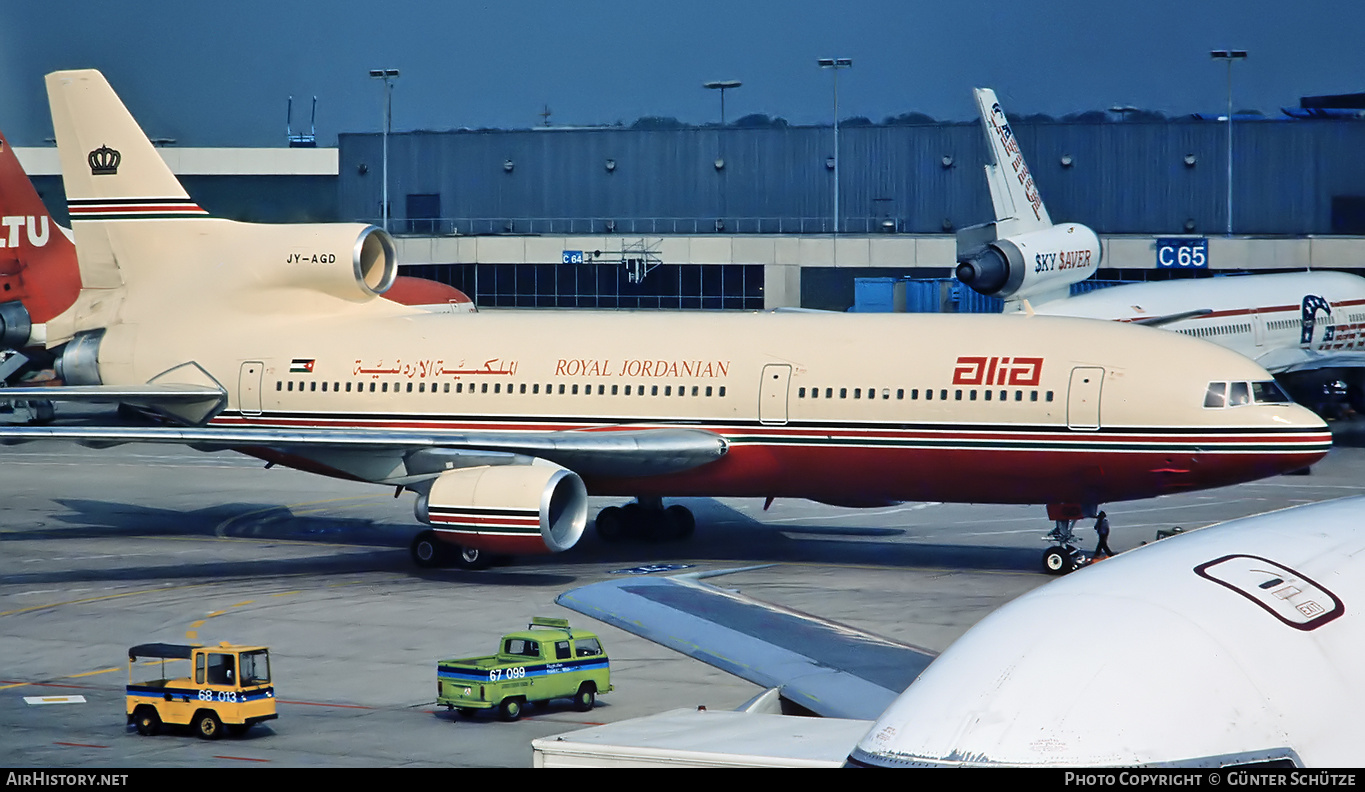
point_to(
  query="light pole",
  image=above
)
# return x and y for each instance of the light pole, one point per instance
(835, 64)
(388, 76)
(1229, 56)
(1123, 111)
(722, 86)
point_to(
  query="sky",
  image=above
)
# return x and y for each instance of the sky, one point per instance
(220, 73)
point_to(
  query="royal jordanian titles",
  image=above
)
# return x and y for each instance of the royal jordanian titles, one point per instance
(1306, 328)
(503, 422)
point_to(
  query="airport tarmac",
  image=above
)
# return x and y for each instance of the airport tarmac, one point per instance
(104, 549)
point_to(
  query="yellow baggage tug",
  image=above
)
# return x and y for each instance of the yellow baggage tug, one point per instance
(229, 687)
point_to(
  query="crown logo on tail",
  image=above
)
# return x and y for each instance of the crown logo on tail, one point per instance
(104, 161)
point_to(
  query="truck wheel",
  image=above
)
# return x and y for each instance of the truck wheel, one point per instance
(510, 709)
(207, 725)
(585, 698)
(147, 721)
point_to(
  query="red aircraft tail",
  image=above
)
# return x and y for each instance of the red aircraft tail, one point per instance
(39, 277)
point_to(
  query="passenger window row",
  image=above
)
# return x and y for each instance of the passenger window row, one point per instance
(1210, 332)
(573, 389)
(971, 395)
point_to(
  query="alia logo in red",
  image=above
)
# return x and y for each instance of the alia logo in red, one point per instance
(1022, 371)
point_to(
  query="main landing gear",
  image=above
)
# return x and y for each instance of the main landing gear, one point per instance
(646, 518)
(429, 552)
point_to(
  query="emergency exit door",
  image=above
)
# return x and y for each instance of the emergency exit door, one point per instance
(1083, 398)
(772, 393)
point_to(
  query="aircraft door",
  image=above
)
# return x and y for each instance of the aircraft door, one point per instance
(772, 393)
(1083, 398)
(249, 387)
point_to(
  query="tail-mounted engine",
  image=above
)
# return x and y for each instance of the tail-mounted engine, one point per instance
(346, 260)
(1029, 264)
(79, 361)
(513, 509)
(15, 325)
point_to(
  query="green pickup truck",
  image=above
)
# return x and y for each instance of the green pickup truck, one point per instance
(547, 660)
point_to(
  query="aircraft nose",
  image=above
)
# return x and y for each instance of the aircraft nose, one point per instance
(1303, 435)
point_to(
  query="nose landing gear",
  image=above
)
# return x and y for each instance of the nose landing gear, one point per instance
(1064, 556)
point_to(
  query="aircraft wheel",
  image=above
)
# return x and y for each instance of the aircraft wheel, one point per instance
(1057, 561)
(44, 412)
(147, 721)
(679, 522)
(585, 698)
(611, 525)
(472, 558)
(427, 551)
(510, 709)
(207, 725)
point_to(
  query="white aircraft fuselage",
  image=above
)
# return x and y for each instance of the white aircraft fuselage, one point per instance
(503, 421)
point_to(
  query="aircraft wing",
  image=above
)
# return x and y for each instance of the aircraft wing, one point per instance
(1287, 361)
(626, 452)
(830, 669)
(1158, 321)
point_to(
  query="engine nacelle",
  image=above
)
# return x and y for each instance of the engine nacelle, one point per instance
(514, 509)
(1026, 265)
(354, 262)
(15, 325)
(79, 362)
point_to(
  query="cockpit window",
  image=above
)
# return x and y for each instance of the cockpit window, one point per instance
(1239, 394)
(1235, 394)
(1269, 392)
(1216, 395)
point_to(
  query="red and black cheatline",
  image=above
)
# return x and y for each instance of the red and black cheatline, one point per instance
(134, 209)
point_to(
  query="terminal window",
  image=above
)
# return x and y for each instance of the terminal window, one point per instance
(603, 285)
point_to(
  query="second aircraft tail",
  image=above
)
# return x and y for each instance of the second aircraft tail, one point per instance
(1013, 192)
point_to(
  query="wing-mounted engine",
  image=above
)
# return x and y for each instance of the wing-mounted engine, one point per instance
(346, 260)
(1038, 265)
(512, 509)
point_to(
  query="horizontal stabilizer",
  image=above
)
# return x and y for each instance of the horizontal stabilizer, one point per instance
(830, 669)
(181, 403)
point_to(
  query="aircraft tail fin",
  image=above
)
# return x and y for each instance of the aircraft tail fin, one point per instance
(110, 167)
(1013, 193)
(115, 183)
(37, 257)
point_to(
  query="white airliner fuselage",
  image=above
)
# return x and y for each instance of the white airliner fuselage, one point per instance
(275, 340)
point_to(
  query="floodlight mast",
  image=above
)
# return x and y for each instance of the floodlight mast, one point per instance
(388, 76)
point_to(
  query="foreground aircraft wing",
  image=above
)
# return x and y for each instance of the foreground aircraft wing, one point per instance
(830, 669)
(1289, 360)
(626, 452)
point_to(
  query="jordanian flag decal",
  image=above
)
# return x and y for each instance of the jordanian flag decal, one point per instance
(301, 366)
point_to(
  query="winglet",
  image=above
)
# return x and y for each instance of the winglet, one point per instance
(1013, 193)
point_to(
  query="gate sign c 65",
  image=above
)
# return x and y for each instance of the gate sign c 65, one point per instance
(1183, 253)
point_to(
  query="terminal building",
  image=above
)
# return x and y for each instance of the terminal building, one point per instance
(742, 217)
